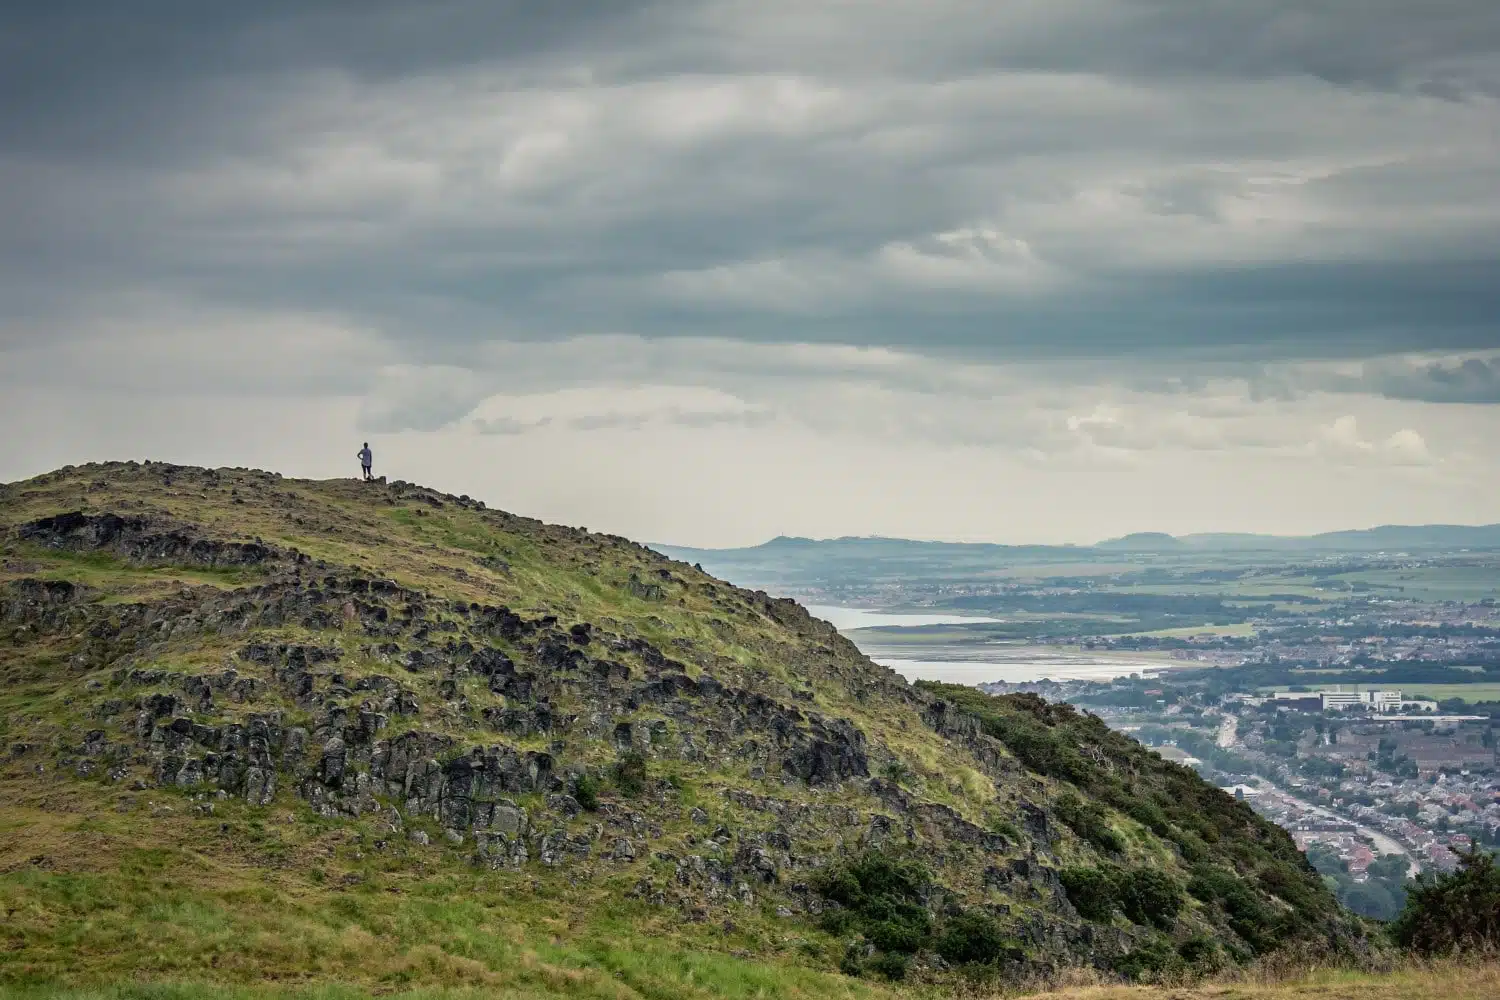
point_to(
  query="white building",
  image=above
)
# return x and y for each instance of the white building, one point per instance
(1373, 701)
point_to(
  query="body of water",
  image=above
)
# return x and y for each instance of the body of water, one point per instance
(980, 664)
(1026, 664)
(845, 619)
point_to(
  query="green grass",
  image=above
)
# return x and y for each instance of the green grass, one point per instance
(97, 897)
(105, 570)
(1434, 583)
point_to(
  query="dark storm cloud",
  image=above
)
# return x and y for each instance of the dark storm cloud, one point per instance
(1472, 380)
(1383, 43)
(448, 173)
(102, 76)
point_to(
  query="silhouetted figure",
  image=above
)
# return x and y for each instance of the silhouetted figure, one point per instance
(366, 459)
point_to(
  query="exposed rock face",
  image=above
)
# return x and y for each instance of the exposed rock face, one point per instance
(138, 540)
(835, 753)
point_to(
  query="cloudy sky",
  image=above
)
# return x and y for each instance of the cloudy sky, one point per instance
(706, 271)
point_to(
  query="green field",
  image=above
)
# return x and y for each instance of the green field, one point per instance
(1436, 583)
(1468, 692)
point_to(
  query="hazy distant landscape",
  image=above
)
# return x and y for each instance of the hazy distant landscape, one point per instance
(1237, 654)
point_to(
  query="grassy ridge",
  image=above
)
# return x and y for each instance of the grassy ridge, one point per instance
(110, 872)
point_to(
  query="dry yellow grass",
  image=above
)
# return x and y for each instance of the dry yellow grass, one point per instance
(1437, 981)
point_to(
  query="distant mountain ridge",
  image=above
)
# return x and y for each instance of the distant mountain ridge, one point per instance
(1377, 539)
(1382, 538)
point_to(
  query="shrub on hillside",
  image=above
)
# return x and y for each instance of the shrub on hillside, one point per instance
(1149, 897)
(1091, 891)
(1457, 912)
(890, 965)
(1202, 953)
(1145, 895)
(1089, 821)
(1149, 815)
(1247, 916)
(586, 791)
(630, 774)
(972, 938)
(1150, 960)
(881, 898)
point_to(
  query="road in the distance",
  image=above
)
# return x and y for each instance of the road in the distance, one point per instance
(1228, 733)
(1383, 843)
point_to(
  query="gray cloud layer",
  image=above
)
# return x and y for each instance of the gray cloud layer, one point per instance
(1170, 180)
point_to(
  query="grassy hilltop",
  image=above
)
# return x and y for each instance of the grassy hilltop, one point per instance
(260, 730)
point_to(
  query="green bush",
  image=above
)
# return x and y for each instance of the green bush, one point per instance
(1194, 850)
(1457, 912)
(972, 938)
(898, 934)
(586, 791)
(1006, 829)
(1149, 897)
(1247, 915)
(1145, 895)
(1091, 891)
(1149, 815)
(1089, 821)
(630, 774)
(1149, 960)
(896, 772)
(890, 965)
(1202, 953)
(881, 896)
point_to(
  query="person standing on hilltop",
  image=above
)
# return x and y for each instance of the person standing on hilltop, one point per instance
(366, 459)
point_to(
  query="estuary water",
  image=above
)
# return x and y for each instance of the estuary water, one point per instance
(978, 664)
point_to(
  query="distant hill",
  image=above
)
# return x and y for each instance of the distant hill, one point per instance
(1450, 537)
(788, 556)
(1143, 541)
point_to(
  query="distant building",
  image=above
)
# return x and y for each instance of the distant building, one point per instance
(1242, 791)
(1294, 701)
(1379, 702)
(1340, 701)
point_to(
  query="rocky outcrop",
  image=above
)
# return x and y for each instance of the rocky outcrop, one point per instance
(138, 540)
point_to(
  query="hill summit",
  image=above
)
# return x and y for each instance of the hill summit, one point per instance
(242, 707)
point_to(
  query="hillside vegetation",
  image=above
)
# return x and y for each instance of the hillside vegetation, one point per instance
(265, 730)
